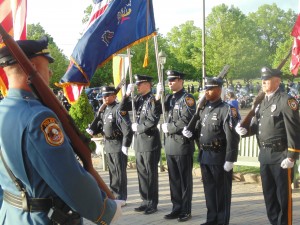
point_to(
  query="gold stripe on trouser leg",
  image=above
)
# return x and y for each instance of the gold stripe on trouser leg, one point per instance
(290, 222)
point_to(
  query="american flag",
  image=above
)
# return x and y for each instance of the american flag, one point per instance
(13, 19)
(295, 60)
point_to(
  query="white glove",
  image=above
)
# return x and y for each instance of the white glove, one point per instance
(159, 91)
(228, 166)
(130, 88)
(118, 212)
(299, 169)
(125, 150)
(240, 130)
(187, 133)
(286, 163)
(98, 151)
(164, 127)
(89, 131)
(134, 127)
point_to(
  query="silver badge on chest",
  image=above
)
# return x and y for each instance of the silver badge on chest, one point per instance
(273, 107)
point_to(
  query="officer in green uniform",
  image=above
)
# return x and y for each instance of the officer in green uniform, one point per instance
(38, 156)
(116, 129)
(276, 125)
(218, 150)
(180, 107)
(147, 144)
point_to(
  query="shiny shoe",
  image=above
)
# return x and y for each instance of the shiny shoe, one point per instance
(150, 210)
(184, 217)
(209, 223)
(172, 215)
(142, 208)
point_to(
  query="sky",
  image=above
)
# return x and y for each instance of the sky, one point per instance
(63, 19)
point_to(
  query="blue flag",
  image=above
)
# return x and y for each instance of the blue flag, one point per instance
(114, 26)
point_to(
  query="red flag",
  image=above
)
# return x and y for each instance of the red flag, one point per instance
(295, 60)
(13, 19)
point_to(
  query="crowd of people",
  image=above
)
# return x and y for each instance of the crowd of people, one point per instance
(37, 188)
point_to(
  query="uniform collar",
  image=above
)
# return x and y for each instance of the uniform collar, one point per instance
(213, 104)
(13, 92)
(179, 93)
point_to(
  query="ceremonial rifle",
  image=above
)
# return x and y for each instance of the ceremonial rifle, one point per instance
(45, 94)
(202, 102)
(94, 124)
(260, 96)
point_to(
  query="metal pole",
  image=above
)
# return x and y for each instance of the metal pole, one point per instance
(160, 78)
(203, 46)
(131, 81)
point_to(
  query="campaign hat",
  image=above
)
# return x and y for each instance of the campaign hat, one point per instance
(31, 48)
(268, 73)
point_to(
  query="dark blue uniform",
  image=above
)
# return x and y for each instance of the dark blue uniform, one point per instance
(117, 132)
(147, 145)
(179, 151)
(218, 144)
(277, 128)
(40, 155)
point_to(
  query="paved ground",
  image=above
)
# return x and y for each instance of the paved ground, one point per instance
(247, 203)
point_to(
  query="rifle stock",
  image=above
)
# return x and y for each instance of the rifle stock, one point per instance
(260, 96)
(94, 123)
(202, 102)
(48, 98)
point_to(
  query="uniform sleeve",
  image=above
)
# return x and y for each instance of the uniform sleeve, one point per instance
(52, 156)
(153, 116)
(125, 104)
(187, 112)
(232, 138)
(125, 124)
(292, 126)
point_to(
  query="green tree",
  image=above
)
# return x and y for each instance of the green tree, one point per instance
(59, 67)
(231, 39)
(184, 46)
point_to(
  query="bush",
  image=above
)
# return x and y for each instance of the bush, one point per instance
(82, 113)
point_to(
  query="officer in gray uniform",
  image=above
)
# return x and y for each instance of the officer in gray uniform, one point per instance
(38, 156)
(180, 107)
(147, 144)
(218, 150)
(116, 129)
(276, 125)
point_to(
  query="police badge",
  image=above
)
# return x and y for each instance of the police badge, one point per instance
(273, 108)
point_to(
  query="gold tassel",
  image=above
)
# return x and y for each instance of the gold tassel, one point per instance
(146, 56)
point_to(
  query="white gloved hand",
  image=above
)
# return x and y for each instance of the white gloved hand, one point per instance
(118, 212)
(164, 127)
(159, 91)
(286, 163)
(187, 133)
(240, 130)
(125, 150)
(98, 151)
(134, 127)
(299, 169)
(228, 166)
(89, 131)
(130, 88)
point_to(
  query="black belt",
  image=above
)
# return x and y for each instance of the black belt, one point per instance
(33, 204)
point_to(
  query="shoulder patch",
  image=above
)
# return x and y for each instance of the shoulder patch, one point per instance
(189, 101)
(123, 113)
(52, 131)
(293, 104)
(234, 112)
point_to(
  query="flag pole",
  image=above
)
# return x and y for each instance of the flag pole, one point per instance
(131, 81)
(160, 79)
